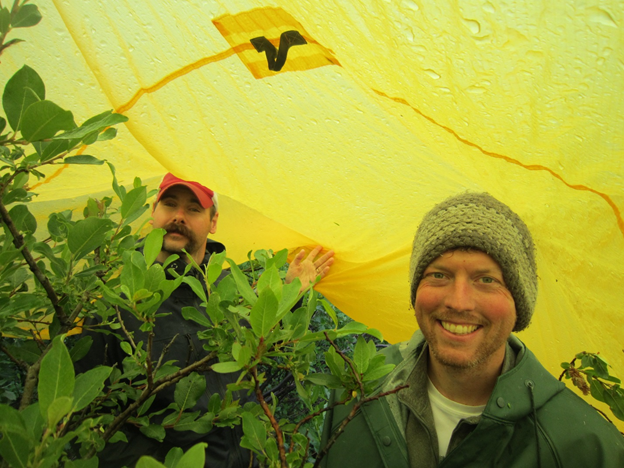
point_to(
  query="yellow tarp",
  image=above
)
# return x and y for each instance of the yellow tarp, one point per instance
(378, 111)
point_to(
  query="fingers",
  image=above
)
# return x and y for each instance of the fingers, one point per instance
(299, 257)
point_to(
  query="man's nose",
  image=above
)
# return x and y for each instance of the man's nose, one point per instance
(178, 216)
(460, 296)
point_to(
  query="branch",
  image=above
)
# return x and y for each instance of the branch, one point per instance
(269, 414)
(314, 415)
(17, 362)
(356, 374)
(18, 242)
(348, 419)
(123, 327)
(165, 350)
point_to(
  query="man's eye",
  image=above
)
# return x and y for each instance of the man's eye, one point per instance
(437, 275)
(487, 280)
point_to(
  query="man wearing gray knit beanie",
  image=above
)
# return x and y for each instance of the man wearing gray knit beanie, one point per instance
(475, 395)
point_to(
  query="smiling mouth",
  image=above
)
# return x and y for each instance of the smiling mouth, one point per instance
(458, 329)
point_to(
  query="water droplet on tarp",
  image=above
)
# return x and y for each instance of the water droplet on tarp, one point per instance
(432, 74)
(598, 15)
(489, 7)
(412, 5)
(472, 25)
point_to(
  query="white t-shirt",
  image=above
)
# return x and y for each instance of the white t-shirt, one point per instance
(447, 414)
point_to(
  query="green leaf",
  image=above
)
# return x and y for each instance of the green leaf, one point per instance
(148, 462)
(15, 449)
(34, 421)
(87, 234)
(5, 20)
(125, 346)
(202, 425)
(361, 355)
(290, 296)
(244, 356)
(614, 397)
(335, 362)
(194, 457)
(173, 457)
(153, 431)
(263, 315)
(56, 377)
(23, 219)
(93, 125)
(188, 390)
(226, 367)
(27, 16)
(107, 134)
(254, 431)
(83, 159)
(242, 284)
(378, 372)
(327, 380)
(191, 313)
(81, 348)
(58, 409)
(43, 119)
(196, 286)
(28, 352)
(271, 279)
(153, 245)
(11, 421)
(89, 385)
(24, 88)
(133, 201)
(330, 311)
(215, 266)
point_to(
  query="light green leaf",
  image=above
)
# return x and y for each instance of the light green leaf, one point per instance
(43, 119)
(194, 457)
(330, 311)
(58, 409)
(254, 431)
(226, 367)
(34, 421)
(24, 88)
(27, 16)
(242, 283)
(270, 278)
(133, 201)
(361, 355)
(149, 462)
(263, 315)
(11, 421)
(94, 124)
(188, 390)
(196, 286)
(83, 159)
(290, 296)
(244, 356)
(173, 457)
(89, 385)
(87, 234)
(378, 372)
(56, 377)
(153, 245)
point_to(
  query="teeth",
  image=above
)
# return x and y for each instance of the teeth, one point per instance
(459, 329)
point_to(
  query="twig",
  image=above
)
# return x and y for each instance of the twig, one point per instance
(164, 351)
(17, 362)
(123, 327)
(267, 411)
(348, 419)
(315, 414)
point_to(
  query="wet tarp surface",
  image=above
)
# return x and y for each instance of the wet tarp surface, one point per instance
(342, 122)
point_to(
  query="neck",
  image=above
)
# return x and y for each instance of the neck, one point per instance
(468, 386)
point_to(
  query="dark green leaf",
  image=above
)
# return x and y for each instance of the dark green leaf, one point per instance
(34, 421)
(43, 119)
(196, 286)
(107, 134)
(56, 377)
(614, 397)
(191, 313)
(83, 159)
(5, 20)
(263, 315)
(87, 234)
(202, 425)
(24, 88)
(81, 348)
(14, 195)
(378, 372)
(154, 431)
(23, 219)
(11, 421)
(148, 462)
(27, 16)
(28, 352)
(327, 380)
(188, 390)
(89, 385)
(15, 449)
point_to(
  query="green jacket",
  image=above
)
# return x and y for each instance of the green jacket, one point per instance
(569, 432)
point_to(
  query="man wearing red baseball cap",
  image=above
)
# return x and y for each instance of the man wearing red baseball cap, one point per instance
(188, 211)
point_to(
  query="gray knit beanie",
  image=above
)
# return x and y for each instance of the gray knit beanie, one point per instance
(479, 221)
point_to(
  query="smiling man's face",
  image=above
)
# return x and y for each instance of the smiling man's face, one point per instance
(465, 310)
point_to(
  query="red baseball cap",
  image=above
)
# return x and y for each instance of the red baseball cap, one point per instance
(203, 194)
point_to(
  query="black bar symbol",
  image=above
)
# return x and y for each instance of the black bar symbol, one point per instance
(277, 58)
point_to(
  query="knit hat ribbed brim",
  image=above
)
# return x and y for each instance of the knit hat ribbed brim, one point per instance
(479, 221)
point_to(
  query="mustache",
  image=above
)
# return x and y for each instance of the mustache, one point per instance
(179, 229)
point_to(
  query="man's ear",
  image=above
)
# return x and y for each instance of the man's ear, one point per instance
(213, 223)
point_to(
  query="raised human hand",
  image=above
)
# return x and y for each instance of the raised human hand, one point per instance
(307, 269)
